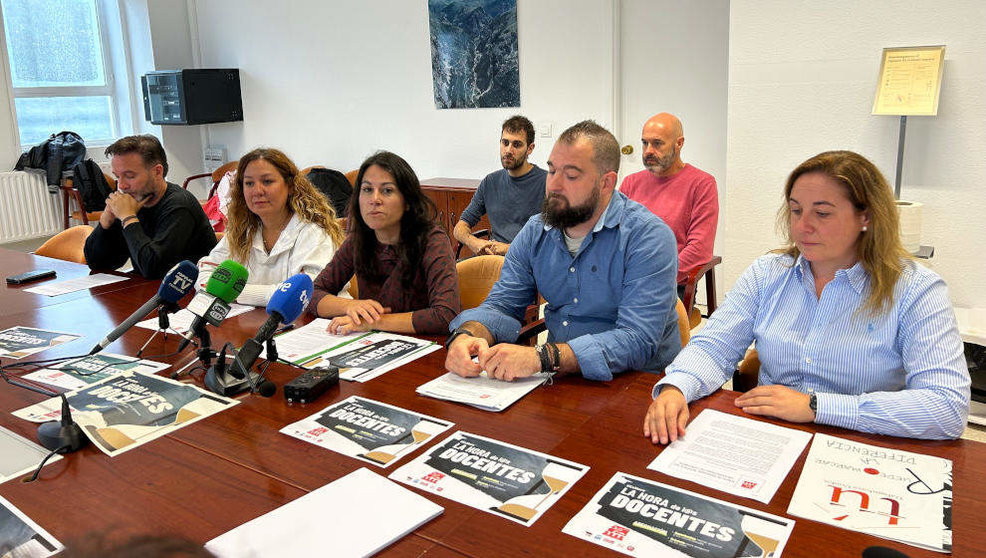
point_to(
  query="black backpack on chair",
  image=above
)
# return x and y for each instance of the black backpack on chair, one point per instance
(334, 186)
(92, 186)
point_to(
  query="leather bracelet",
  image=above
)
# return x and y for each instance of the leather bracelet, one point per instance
(126, 220)
(458, 331)
(556, 357)
(544, 356)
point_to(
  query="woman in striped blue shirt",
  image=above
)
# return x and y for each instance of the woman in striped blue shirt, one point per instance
(850, 331)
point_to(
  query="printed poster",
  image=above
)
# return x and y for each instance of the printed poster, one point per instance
(373, 355)
(897, 495)
(22, 538)
(496, 477)
(79, 373)
(19, 342)
(369, 430)
(641, 517)
(131, 409)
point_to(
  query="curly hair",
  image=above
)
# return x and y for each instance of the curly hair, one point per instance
(304, 200)
(416, 222)
(879, 249)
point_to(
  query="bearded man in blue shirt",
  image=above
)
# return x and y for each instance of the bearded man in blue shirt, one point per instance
(605, 265)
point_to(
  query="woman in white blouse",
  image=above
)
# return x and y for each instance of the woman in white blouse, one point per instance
(279, 224)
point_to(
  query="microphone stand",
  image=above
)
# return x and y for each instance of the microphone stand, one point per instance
(64, 436)
(204, 352)
(163, 324)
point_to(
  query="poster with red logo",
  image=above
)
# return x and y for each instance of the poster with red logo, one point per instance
(369, 430)
(499, 478)
(641, 517)
(894, 494)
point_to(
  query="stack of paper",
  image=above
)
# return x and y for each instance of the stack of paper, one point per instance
(481, 391)
(738, 455)
(357, 515)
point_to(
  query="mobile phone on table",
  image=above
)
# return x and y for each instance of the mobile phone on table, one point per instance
(29, 276)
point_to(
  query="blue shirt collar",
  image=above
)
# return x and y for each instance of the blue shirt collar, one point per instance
(611, 217)
(856, 275)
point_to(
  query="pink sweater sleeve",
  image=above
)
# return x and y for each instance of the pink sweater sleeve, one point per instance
(701, 234)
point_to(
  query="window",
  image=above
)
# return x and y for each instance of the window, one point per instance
(60, 69)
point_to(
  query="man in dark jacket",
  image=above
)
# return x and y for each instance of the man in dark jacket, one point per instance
(153, 222)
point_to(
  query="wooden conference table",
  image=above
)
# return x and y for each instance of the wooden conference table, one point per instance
(213, 475)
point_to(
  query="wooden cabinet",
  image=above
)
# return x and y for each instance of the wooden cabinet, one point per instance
(452, 196)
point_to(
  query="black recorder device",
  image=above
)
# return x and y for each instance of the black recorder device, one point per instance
(311, 385)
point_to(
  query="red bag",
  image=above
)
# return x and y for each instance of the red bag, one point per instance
(216, 217)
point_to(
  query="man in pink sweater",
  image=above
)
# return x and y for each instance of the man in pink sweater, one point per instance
(680, 194)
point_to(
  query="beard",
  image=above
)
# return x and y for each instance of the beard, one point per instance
(512, 164)
(561, 215)
(657, 165)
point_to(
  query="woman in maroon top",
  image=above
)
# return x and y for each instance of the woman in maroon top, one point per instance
(402, 261)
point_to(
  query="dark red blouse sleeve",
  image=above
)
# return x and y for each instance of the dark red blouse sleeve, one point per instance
(335, 275)
(443, 287)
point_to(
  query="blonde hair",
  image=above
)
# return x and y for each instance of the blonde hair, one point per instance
(878, 249)
(304, 200)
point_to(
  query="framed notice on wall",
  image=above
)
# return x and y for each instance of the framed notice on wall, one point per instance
(910, 81)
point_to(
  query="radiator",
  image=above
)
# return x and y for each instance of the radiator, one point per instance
(27, 210)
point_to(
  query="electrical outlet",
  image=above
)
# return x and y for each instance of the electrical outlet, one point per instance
(544, 129)
(213, 157)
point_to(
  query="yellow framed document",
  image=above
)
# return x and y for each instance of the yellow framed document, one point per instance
(910, 81)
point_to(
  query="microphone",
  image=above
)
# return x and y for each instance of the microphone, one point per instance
(287, 303)
(175, 285)
(211, 306)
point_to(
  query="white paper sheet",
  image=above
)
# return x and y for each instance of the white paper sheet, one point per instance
(356, 515)
(55, 288)
(19, 456)
(482, 391)
(373, 355)
(734, 454)
(305, 344)
(182, 320)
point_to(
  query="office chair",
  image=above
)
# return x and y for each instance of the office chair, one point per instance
(215, 176)
(67, 245)
(706, 270)
(476, 278)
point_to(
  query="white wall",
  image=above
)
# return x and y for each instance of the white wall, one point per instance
(172, 49)
(802, 78)
(329, 82)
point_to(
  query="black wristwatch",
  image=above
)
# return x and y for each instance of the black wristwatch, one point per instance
(457, 332)
(813, 402)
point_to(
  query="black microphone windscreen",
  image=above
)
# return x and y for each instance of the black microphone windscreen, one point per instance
(267, 388)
